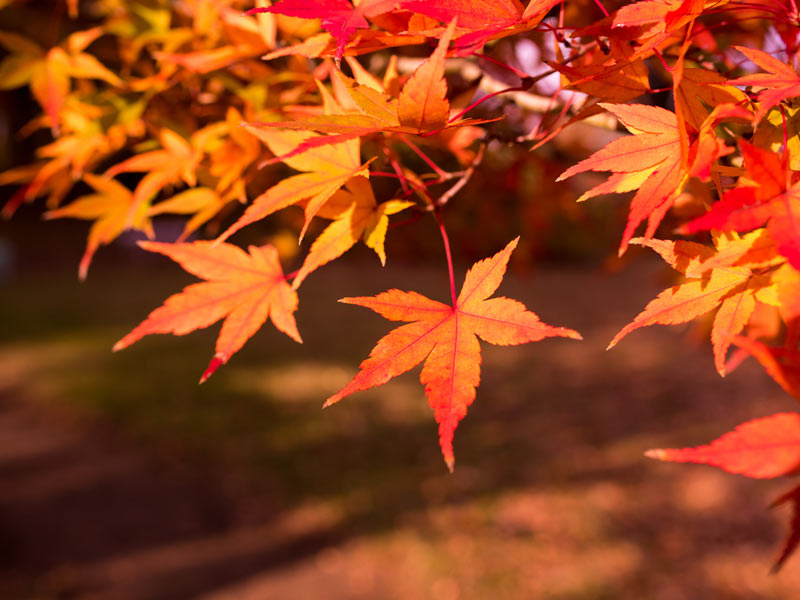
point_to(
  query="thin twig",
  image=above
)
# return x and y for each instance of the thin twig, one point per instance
(464, 179)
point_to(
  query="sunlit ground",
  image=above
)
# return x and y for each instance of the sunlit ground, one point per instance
(120, 477)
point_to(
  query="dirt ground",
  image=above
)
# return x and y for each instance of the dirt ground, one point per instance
(120, 478)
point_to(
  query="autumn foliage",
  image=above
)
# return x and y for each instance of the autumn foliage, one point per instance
(374, 115)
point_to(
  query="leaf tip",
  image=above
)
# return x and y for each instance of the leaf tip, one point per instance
(450, 461)
(683, 230)
(218, 360)
(657, 454)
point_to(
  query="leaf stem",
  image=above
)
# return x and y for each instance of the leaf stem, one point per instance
(397, 169)
(384, 174)
(785, 137)
(436, 169)
(438, 214)
(499, 63)
(483, 99)
(603, 8)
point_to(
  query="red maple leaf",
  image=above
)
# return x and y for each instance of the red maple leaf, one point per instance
(338, 17)
(767, 198)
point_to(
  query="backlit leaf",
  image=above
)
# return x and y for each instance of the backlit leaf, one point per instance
(446, 338)
(762, 448)
(242, 288)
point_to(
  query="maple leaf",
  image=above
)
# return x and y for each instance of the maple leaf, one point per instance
(82, 143)
(174, 163)
(651, 161)
(234, 153)
(763, 448)
(699, 89)
(733, 289)
(627, 80)
(482, 20)
(109, 208)
(779, 82)
(340, 18)
(355, 214)
(250, 36)
(200, 202)
(779, 127)
(423, 104)
(242, 288)
(478, 20)
(471, 14)
(446, 338)
(767, 198)
(49, 72)
(421, 108)
(782, 364)
(326, 169)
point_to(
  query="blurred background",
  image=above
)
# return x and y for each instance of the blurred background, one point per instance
(121, 478)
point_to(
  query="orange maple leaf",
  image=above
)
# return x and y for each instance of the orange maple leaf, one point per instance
(355, 214)
(730, 285)
(698, 89)
(242, 288)
(626, 80)
(422, 107)
(446, 338)
(762, 448)
(175, 163)
(778, 83)
(423, 104)
(49, 72)
(651, 161)
(325, 170)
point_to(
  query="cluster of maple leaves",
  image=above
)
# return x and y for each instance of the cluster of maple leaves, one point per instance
(216, 105)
